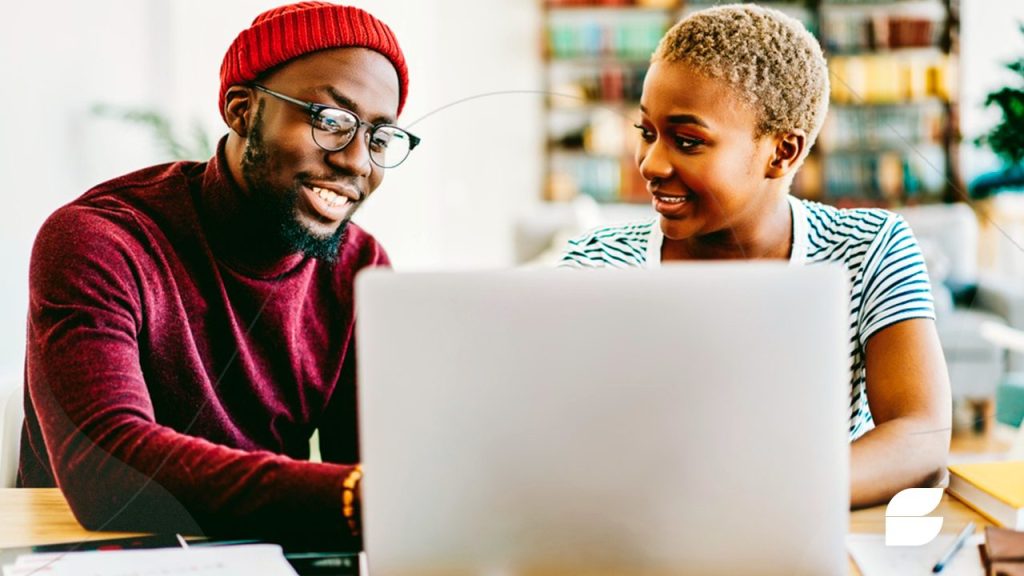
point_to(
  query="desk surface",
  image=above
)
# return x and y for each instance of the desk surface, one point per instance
(33, 516)
(42, 516)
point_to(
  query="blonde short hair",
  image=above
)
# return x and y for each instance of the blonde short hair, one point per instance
(769, 58)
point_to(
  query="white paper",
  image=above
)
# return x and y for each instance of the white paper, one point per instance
(874, 558)
(262, 559)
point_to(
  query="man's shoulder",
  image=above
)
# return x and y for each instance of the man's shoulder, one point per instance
(113, 210)
(144, 190)
(168, 178)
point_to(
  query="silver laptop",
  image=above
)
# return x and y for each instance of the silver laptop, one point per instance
(687, 420)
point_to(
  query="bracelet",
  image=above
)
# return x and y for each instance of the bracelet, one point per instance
(349, 498)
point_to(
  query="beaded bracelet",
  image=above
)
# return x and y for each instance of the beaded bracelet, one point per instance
(349, 498)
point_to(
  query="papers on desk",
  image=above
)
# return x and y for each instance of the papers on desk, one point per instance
(874, 558)
(263, 559)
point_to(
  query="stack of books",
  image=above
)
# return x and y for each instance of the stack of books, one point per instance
(994, 489)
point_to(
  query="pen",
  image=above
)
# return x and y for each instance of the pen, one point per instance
(181, 541)
(954, 547)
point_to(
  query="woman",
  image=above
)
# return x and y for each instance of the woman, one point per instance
(731, 105)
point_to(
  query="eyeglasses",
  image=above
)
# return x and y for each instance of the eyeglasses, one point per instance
(335, 128)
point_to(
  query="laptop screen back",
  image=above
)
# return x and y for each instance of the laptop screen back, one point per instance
(690, 419)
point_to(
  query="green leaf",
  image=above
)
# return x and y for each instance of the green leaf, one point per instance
(1006, 139)
(164, 134)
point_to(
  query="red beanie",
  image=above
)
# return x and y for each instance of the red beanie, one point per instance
(287, 32)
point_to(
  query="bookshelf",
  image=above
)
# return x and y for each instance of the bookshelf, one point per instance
(890, 138)
(596, 53)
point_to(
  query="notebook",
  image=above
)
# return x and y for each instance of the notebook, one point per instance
(263, 559)
(994, 489)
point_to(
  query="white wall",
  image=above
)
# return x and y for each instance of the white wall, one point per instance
(451, 204)
(990, 38)
(51, 149)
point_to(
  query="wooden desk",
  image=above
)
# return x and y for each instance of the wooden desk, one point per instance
(872, 520)
(34, 516)
(955, 513)
(42, 516)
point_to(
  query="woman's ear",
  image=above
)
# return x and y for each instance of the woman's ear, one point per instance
(239, 105)
(789, 149)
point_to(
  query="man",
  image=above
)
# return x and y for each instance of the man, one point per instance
(191, 324)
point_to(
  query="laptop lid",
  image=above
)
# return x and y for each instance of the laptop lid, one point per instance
(690, 419)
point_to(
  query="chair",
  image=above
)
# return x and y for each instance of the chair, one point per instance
(1011, 340)
(965, 300)
(12, 413)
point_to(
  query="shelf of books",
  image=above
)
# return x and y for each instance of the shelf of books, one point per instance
(890, 137)
(596, 54)
(891, 134)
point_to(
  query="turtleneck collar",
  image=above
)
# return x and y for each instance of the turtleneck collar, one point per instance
(235, 235)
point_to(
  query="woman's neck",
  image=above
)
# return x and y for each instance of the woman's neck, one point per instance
(769, 237)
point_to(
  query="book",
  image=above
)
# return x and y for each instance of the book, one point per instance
(994, 489)
(1003, 552)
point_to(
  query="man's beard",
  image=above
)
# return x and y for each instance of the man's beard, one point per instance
(274, 210)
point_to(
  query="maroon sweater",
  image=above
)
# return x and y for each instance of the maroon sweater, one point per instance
(174, 379)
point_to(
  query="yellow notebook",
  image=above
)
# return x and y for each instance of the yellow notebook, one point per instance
(994, 489)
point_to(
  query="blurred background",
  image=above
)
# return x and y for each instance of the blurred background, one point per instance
(524, 107)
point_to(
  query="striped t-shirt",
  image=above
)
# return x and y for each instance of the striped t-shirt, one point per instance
(886, 271)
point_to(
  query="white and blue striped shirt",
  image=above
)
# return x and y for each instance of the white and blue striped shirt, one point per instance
(886, 271)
